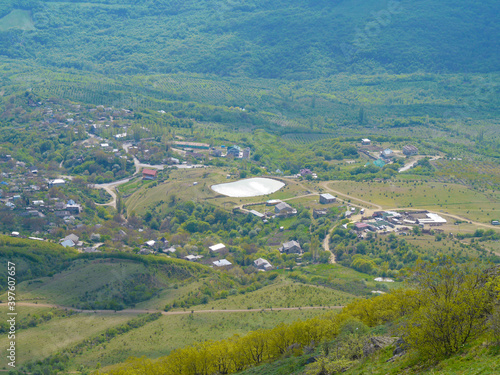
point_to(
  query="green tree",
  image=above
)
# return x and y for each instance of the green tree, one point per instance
(450, 307)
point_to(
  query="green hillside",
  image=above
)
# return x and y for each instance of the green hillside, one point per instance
(287, 39)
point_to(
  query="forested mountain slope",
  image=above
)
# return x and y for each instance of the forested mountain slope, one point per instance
(288, 39)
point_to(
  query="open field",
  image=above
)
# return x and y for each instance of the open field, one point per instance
(160, 337)
(39, 342)
(441, 197)
(68, 287)
(338, 277)
(17, 19)
(450, 247)
(283, 294)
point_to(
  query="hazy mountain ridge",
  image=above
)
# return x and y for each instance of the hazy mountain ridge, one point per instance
(290, 39)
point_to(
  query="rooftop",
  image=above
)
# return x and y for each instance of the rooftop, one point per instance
(222, 263)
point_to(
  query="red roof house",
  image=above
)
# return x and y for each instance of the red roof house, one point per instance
(149, 174)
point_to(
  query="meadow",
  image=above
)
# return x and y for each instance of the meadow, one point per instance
(36, 343)
(285, 293)
(160, 337)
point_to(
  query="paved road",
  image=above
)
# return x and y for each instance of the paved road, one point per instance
(145, 311)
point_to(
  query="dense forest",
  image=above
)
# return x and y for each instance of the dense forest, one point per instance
(290, 39)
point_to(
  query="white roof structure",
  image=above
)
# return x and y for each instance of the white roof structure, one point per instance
(68, 243)
(262, 263)
(432, 219)
(150, 243)
(257, 213)
(327, 196)
(217, 247)
(222, 263)
(58, 181)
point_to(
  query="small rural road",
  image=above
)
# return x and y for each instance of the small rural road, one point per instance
(326, 246)
(325, 186)
(150, 311)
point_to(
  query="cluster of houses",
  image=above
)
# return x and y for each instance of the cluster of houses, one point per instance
(234, 151)
(220, 250)
(381, 157)
(21, 192)
(385, 221)
(284, 210)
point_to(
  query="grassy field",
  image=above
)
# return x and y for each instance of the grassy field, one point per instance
(338, 277)
(71, 285)
(160, 337)
(452, 198)
(283, 294)
(39, 342)
(17, 19)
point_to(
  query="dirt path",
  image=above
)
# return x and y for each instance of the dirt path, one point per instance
(146, 311)
(326, 246)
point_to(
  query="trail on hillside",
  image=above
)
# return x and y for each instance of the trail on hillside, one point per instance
(150, 311)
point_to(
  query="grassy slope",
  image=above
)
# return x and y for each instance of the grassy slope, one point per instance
(39, 342)
(70, 286)
(283, 294)
(473, 360)
(169, 332)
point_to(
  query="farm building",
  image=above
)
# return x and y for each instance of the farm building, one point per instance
(193, 258)
(431, 219)
(262, 264)
(409, 150)
(361, 226)
(272, 202)
(326, 198)
(366, 142)
(56, 182)
(258, 214)
(149, 174)
(67, 243)
(200, 146)
(291, 247)
(218, 248)
(223, 263)
(387, 153)
(284, 209)
(319, 213)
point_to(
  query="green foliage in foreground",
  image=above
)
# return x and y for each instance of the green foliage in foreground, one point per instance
(459, 301)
